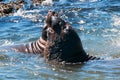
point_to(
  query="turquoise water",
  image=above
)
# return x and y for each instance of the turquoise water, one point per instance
(96, 21)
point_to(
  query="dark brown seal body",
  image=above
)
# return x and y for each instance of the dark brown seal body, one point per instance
(63, 43)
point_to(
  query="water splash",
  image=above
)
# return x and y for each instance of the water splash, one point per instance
(47, 2)
(6, 42)
(116, 20)
(33, 15)
(18, 13)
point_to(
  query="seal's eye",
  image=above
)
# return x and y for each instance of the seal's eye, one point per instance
(60, 23)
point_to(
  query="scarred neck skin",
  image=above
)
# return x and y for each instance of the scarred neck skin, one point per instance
(36, 47)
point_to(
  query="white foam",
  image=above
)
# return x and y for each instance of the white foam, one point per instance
(35, 10)
(116, 20)
(18, 13)
(81, 22)
(111, 30)
(31, 14)
(34, 17)
(116, 42)
(6, 42)
(93, 0)
(47, 2)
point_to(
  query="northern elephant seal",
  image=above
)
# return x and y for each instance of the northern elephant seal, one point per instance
(59, 42)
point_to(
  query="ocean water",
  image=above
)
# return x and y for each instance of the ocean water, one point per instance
(96, 21)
